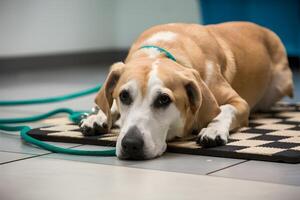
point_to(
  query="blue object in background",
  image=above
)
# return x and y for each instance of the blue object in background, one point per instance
(281, 16)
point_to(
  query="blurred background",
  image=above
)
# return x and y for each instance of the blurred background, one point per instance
(71, 43)
(35, 28)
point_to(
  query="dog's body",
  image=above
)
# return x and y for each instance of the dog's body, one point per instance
(221, 73)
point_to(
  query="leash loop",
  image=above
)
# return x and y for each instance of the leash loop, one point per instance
(75, 116)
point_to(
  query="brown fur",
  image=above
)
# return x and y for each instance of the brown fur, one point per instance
(247, 60)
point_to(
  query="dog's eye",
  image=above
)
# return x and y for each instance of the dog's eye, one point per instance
(163, 100)
(125, 97)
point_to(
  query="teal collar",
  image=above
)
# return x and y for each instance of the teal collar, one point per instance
(168, 54)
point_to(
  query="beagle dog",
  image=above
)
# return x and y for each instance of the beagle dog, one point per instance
(180, 79)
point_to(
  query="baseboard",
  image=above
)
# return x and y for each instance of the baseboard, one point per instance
(64, 60)
(82, 58)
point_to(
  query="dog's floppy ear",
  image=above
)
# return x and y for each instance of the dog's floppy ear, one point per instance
(209, 108)
(104, 98)
(202, 101)
(194, 95)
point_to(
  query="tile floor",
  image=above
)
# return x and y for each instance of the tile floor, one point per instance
(27, 172)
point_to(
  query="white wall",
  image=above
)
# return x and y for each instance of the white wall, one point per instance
(34, 27)
(42, 26)
(134, 16)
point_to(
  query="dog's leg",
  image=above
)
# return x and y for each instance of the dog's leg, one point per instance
(96, 123)
(234, 114)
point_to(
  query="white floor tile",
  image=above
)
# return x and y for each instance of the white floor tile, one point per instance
(264, 171)
(42, 178)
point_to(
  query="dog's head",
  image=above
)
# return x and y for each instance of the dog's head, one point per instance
(158, 100)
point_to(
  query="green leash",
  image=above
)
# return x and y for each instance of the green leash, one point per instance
(75, 116)
(168, 54)
(51, 99)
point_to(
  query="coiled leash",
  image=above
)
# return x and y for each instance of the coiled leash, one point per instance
(75, 116)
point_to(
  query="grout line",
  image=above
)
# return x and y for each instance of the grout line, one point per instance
(33, 156)
(227, 167)
(79, 145)
(24, 158)
(25, 153)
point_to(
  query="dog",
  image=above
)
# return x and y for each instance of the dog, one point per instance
(180, 79)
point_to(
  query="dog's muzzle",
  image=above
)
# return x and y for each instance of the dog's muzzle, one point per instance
(133, 145)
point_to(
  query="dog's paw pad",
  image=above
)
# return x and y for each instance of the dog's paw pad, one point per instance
(210, 137)
(210, 142)
(93, 125)
(87, 131)
(100, 129)
(95, 130)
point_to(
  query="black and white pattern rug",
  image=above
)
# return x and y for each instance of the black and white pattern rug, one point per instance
(272, 136)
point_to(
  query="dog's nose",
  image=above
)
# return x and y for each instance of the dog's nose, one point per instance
(133, 143)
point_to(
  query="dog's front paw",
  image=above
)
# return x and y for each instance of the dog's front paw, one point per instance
(211, 137)
(95, 124)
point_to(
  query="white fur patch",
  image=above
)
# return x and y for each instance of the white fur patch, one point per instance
(99, 119)
(226, 118)
(114, 107)
(152, 52)
(161, 36)
(153, 77)
(209, 71)
(222, 124)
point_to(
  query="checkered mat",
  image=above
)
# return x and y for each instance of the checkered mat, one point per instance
(272, 136)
